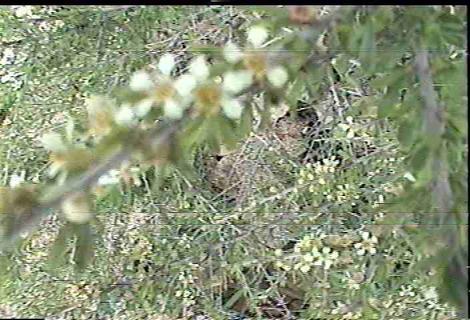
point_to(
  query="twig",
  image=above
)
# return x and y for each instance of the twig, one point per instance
(434, 126)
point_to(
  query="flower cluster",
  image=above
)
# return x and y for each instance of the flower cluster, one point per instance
(198, 88)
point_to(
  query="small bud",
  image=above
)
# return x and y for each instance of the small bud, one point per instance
(110, 178)
(409, 177)
(16, 180)
(143, 107)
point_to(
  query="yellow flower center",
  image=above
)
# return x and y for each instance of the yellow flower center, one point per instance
(256, 62)
(164, 92)
(208, 99)
(100, 122)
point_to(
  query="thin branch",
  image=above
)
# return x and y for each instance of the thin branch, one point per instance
(434, 127)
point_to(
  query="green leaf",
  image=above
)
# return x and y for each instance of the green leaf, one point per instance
(234, 298)
(246, 122)
(294, 93)
(195, 133)
(455, 281)
(58, 252)
(391, 79)
(407, 132)
(368, 48)
(388, 107)
(84, 245)
(420, 157)
(226, 132)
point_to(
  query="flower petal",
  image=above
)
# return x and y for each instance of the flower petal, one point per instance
(277, 76)
(143, 107)
(53, 142)
(199, 68)
(125, 116)
(166, 64)
(257, 35)
(172, 110)
(232, 108)
(185, 84)
(141, 81)
(236, 81)
(232, 53)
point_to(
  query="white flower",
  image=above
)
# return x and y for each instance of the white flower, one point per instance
(143, 107)
(308, 257)
(8, 56)
(199, 68)
(125, 116)
(112, 177)
(185, 84)
(166, 64)
(141, 81)
(327, 257)
(305, 268)
(257, 35)
(368, 244)
(236, 81)
(22, 11)
(232, 108)
(232, 53)
(53, 142)
(430, 294)
(172, 110)
(16, 180)
(277, 76)
(9, 77)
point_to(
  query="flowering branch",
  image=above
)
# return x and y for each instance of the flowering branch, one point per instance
(57, 195)
(196, 94)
